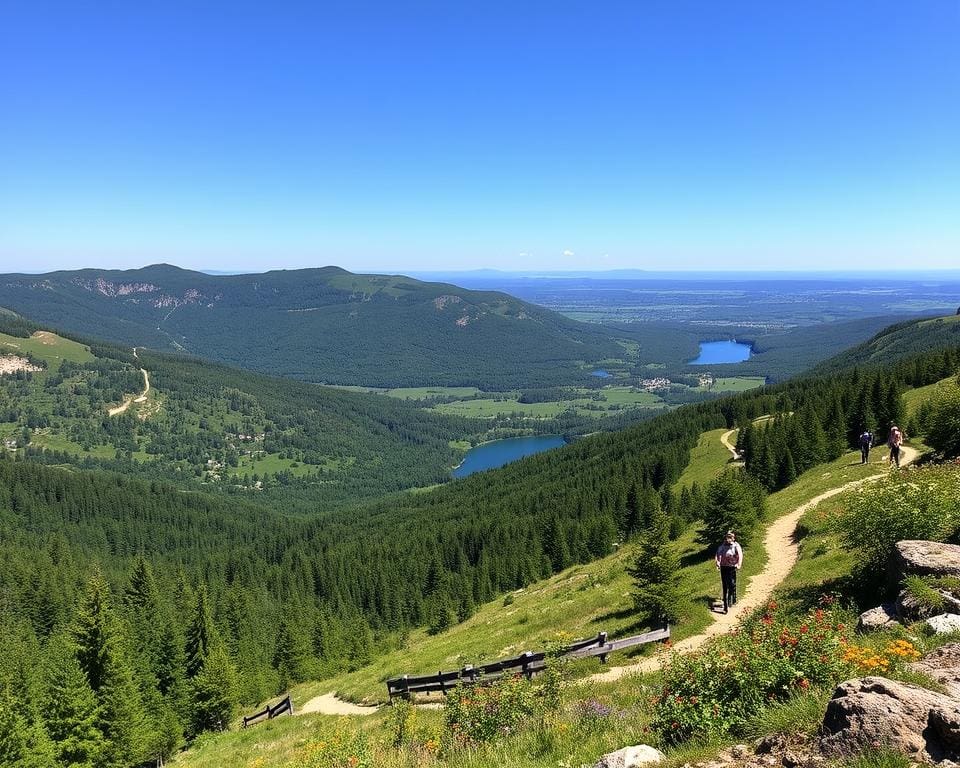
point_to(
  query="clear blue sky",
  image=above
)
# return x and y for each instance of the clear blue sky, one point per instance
(517, 135)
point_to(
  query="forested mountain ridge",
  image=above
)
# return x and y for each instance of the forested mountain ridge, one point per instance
(897, 341)
(299, 445)
(321, 325)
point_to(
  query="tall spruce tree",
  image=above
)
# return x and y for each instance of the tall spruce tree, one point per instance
(656, 574)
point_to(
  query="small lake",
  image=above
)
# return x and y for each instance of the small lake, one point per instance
(714, 352)
(602, 374)
(499, 452)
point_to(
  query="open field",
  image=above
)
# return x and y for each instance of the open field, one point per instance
(588, 403)
(708, 459)
(914, 397)
(736, 383)
(48, 347)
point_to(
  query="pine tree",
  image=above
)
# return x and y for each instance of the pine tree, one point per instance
(213, 691)
(70, 708)
(200, 635)
(292, 658)
(656, 574)
(735, 501)
(100, 650)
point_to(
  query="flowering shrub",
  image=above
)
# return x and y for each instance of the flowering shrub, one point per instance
(337, 751)
(478, 713)
(710, 693)
(880, 661)
(595, 716)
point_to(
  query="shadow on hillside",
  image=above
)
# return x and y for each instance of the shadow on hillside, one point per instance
(859, 589)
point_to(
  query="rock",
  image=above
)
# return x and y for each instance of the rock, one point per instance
(739, 751)
(943, 665)
(770, 743)
(944, 623)
(910, 609)
(882, 617)
(924, 558)
(869, 711)
(791, 760)
(630, 757)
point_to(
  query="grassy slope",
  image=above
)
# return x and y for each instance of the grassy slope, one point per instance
(708, 458)
(48, 347)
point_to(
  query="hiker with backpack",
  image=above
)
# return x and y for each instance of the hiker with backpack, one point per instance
(866, 443)
(894, 441)
(729, 559)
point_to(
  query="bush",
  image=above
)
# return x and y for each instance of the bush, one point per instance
(336, 751)
(709, 694)
(920, 504)
(942, 421)
(476, 713)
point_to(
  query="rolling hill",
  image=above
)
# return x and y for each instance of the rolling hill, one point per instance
(321, 325)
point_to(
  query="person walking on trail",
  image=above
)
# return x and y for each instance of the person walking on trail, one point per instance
(866, 443)
(894, 441)
(729, 559)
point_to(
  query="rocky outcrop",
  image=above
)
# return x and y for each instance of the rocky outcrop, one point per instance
(882, 617)
(630, 757)
(943, 665)
(871, 712)
(924, 558)
(944, 624)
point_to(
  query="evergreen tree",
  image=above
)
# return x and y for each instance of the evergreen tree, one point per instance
(200, 635)
(292, 658)
(656, 574)
(70, 709)
(100, 650)
(735, 501)
(213, 691)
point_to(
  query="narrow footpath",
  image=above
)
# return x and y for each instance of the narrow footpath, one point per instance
(142, 398)
(782, 552)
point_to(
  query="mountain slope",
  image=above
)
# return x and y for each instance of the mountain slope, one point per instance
(324, 324)
(896, 342)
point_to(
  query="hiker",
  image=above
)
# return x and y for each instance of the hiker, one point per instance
(894, 441)
(866, 443)
(729, 559)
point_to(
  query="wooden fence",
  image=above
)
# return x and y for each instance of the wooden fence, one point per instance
(268, 712)
(527, 664)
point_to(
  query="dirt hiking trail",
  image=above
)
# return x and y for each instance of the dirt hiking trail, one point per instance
(782, 551)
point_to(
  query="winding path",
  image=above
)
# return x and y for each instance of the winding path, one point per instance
(140, 398)
(782, 551)
(725, 439)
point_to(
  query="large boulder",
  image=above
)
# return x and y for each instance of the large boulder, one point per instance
(871, 712)
(944, 624)
(882, 617)
(924, 558)
(943, 665)
(630, 757)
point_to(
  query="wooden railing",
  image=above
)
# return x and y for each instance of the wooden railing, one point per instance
(527, 664)
(268, 712)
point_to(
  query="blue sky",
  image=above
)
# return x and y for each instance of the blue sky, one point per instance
(426, 136)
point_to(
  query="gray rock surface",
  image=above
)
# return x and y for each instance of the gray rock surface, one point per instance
(882, 617)
(868, 712)
(630, 757)
(924, 558)
(944, 624)
(943, 665)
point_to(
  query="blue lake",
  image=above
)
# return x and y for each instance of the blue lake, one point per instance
(602, 374)
(713, 352)
(499, 452)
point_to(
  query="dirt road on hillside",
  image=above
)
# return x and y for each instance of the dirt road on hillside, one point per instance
(782, 551)
(139, 399)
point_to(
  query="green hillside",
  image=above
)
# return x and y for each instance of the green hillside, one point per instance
(322, 325)
(899, 341)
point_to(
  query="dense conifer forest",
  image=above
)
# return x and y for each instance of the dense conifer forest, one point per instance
(159, 610)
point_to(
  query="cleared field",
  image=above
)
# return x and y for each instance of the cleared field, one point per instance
(610, 398)
(48, 347)
(914, 397)
(708, 459)
(422, 393)
(736, 383)
(272, 463)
